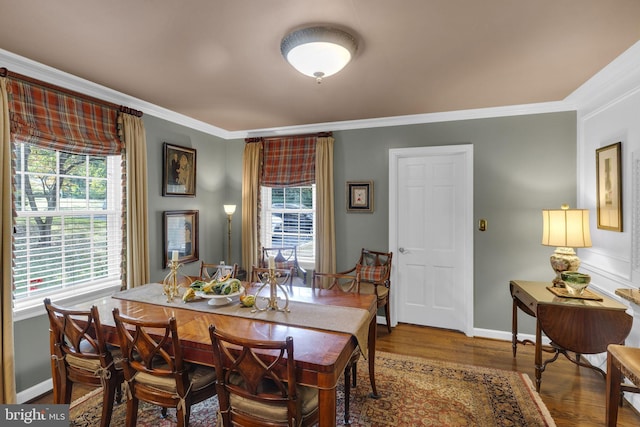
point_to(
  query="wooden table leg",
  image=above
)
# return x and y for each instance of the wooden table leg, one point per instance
(327, 407)
(514, 327)
(538, 355)
(373, 331)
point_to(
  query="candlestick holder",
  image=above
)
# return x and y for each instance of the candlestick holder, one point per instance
(270, 279)
(170, 281)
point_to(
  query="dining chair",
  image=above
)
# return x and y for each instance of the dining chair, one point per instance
(375, 274)
(345, 283)
(154, 369)
(257, 384)
(212, 271)
(285, 257)
(284, 275)
(622, 362)
(80, 355)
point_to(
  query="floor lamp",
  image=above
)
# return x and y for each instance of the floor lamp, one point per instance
(229, 210)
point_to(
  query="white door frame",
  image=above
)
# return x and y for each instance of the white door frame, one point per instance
(394, 155)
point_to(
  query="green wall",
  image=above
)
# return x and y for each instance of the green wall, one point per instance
(522, 164)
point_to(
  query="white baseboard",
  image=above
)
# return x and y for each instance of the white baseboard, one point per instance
(35, 391)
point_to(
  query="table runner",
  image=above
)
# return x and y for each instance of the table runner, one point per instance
(354, 321)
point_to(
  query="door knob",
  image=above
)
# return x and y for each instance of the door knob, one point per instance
(401, 250)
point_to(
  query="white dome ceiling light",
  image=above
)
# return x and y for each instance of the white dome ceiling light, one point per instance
(318, 52)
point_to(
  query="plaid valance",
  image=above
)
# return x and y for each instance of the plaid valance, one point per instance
(57, 121)
(289, 162)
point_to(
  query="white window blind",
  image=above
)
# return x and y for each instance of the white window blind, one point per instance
(68, 224)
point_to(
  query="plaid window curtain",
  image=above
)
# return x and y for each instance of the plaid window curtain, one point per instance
(56, 121)
(289, 162)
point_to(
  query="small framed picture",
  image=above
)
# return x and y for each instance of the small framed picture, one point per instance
(180, 236)
(359, 196)
(179, 171)
(609, 187)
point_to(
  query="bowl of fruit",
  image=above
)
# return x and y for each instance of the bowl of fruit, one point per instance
(219, 291)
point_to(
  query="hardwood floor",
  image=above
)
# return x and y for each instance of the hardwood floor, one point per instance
(574, 395)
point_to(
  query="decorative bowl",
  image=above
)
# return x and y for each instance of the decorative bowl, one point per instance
(575, 282)
(215, 299)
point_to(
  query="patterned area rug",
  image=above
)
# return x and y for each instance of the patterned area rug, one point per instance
(414, 392)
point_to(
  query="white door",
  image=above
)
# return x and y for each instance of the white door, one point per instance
(431, 236)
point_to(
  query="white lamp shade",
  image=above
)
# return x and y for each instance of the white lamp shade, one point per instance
(318, 51)
(566, 228)
(229, 209)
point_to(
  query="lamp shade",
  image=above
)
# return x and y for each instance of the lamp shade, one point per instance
(566, 228)
(318, 51)
(229, 209)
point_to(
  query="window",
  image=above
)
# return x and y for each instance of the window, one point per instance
(288, 219)
(68, 228)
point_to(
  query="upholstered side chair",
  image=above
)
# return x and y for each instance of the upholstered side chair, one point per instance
(375, 277)
(154, 369)
(80, 355)
(257, 384)
(622, 362)
(285, 258)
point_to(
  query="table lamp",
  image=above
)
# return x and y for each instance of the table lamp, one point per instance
(566, 229)
(229, 210)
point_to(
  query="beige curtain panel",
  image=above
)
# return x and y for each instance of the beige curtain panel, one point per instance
(7, 370)
(136, 237)
(325, 207)
(251, 171)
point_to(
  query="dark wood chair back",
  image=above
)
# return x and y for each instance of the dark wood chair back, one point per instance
(155, 371)
(375, 277)
(79, 354)
(211, 271)
(284, 276)
(343, 282)
(285, 257)
(257, 383)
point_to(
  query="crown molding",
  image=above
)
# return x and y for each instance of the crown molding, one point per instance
(480, 113)
(618, 80)
(54, 76)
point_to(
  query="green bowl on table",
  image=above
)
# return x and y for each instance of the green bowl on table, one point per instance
(575, 282)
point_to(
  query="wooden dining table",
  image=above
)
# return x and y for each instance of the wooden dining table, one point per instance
(321, 354)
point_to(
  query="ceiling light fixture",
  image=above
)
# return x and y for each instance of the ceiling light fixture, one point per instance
(318, 51)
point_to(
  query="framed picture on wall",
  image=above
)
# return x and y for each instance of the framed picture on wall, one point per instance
(180, 236)
(609, 187)
(179, 171)
(360, 196)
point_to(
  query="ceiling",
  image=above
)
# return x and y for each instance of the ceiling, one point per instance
(219, 61)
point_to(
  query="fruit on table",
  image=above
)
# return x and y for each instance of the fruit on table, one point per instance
(248, 300)
(189, 294)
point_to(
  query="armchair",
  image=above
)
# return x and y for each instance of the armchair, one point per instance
(375, 272)
(285, 257)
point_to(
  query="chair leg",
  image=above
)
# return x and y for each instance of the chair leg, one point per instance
(132, 412)
(387, 316)
(108, 396)
(347, 393)
(354, 374)
(613, 398)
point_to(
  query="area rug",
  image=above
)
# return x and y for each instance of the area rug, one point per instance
(414, 392)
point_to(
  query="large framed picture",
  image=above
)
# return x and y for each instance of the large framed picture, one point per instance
(179, 171)
(609, 187)
(180, 236)
(359, 196)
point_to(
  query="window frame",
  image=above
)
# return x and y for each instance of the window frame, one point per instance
(31, 305)
(267, 211)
